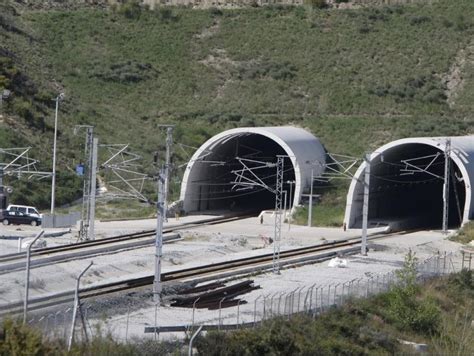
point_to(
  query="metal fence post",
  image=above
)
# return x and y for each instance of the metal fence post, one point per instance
(279, 301)
(321, 300)
(299, 297)
(334, 294)
(444, 263)
(190, 351)
(271, 304)
(438, 263)
(76, 305)
(155, 336)
(285, 302)
(45, 328)
(264, 307)
(305, 304)
(65, 323)
(311, 297)
(27, 276)
(220, 312)
(255, 311)
(56, 323)
(128, 320)
(238, 312)
(194, 308)
(315, 298)
(291, 299)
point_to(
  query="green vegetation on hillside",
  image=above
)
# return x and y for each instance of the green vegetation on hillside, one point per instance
(439, 315)
(356, 78)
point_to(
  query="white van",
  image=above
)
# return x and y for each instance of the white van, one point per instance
(28, 210)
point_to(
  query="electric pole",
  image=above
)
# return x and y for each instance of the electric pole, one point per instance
(169, 143)
(447, 159)
(93, 188)
(53, 181)
(310, 207)
(89, 190)
(160, 210)
(278, 206)
(365, 207)
(290, 182)
(1, 179)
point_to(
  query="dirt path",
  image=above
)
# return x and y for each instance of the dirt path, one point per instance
(454, 79)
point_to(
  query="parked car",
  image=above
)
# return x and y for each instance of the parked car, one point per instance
(17, 218)
(28, 210)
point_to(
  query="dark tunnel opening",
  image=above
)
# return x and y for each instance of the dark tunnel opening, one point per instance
(406, 188)
(233, 173)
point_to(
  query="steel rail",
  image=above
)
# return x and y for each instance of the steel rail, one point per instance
(200, 271)
(48, 251)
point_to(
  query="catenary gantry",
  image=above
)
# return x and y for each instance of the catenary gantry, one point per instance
(230, 170)
(406, 184)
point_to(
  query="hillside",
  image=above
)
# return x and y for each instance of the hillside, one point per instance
(356, 78)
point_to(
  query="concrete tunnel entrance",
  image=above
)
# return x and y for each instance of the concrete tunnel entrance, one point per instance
(217, 186)
(406, 189)
(230, 171)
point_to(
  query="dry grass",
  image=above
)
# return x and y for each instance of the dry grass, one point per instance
(466, 234)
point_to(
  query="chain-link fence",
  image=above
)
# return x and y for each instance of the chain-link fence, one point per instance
(119, 318)
(316, 298)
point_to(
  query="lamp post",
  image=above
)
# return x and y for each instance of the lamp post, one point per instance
(53, 182)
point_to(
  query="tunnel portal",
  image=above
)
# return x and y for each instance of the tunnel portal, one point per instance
(406, 186)
(236, 170)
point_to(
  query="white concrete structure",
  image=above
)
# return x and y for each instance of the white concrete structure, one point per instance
(398, 196)
(207, 180)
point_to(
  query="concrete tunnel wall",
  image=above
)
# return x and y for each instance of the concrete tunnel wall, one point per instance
(204, 175)
(417, 199)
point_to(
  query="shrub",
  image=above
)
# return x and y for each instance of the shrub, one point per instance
(417, 20)
(300, 12)
(364, 29)
(215, 11)
(21, 340)
(462, 281)
(22, 108)
(462, 24)
(405, 309)
(130, 10)
(167, 14)
(319, 4)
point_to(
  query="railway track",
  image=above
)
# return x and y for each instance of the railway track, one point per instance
(48, 255)
(218, 270)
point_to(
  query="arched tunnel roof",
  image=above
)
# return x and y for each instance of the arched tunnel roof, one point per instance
(302, 148)
(461, 153)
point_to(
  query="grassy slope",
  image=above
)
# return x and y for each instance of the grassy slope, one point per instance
(439, 314)
(443, 309)
(356, 78)
(465, 235)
